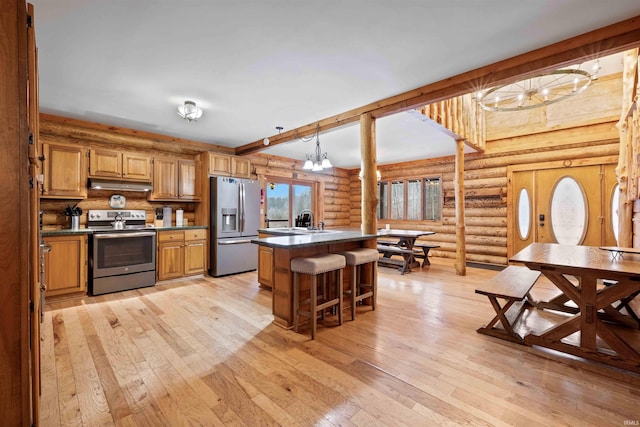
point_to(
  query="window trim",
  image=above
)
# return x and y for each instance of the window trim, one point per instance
(405, 181)
(291, 182)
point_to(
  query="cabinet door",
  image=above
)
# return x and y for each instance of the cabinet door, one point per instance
(265, 266)
(66, 264)
(188, 180)
(194, 257)
(165, 179)
(170, 260)
(219, 164)
(136, 166)
(105, 163)
(240, 167)
(65, 171)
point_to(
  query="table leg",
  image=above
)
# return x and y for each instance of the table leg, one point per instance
(407, 243)
(588, 321)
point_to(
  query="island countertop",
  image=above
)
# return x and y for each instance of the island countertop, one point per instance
(308, 239)
(275, 255)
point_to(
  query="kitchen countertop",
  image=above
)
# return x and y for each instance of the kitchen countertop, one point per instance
(182, 227)
(68, 231)
(306, 239)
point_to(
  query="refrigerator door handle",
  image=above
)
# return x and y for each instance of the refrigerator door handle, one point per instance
(242, 198)
(233, 242)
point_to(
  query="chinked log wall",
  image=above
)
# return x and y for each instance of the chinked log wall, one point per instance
(333, 199)
(573, 131)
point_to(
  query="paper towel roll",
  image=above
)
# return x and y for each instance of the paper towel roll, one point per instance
(179, 217)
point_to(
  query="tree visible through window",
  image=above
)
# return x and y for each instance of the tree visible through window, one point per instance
(285, 201)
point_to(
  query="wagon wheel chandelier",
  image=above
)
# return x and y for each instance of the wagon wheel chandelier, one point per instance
(537, 91)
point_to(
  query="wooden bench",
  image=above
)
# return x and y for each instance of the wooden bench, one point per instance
(403, 265)
(388, 242)
(512, 284)
(426, 247)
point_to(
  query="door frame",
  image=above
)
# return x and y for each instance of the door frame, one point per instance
(511, 197)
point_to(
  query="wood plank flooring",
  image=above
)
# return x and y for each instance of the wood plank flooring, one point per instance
(204, 352)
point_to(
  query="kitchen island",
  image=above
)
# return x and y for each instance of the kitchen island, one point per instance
(278, 246)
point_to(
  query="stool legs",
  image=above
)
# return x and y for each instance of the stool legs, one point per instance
(356, 294)
(314, 307)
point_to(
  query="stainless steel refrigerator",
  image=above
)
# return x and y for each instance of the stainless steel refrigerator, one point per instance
(235, 219)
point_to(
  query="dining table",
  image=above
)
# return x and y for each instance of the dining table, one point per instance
(593, 279)
(406, 239)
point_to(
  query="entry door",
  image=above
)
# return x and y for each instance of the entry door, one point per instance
(563, 205)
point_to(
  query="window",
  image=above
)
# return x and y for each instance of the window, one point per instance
(397, 200)
(383, 200)
(285, 200)
(415, 199)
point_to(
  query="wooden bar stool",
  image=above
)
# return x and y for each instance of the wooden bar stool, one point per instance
(314, 266)
(356, 258)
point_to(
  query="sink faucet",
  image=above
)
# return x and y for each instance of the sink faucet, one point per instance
(307, 211)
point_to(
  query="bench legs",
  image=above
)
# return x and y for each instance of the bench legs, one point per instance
(507, 315)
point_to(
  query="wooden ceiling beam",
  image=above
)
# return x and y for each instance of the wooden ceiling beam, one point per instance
(595, 44)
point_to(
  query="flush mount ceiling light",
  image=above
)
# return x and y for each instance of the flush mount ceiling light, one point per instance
(189, 111)
(537, 91)
(319, 160)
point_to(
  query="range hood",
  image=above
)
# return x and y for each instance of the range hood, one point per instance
(107, 184)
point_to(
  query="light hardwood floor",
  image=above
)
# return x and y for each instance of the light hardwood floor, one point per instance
(204, 352)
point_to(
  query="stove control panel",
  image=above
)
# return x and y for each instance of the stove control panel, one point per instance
(95, 216)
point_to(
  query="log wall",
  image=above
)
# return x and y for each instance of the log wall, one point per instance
(333, 201)
(574, 131)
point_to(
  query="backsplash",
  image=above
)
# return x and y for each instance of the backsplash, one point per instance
(54, 217)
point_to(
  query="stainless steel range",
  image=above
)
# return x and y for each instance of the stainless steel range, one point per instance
(122, 253)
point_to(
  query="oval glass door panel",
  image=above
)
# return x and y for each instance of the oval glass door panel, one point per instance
(615, 199)
(568, 212)
(524, 214)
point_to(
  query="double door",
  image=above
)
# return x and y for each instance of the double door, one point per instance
(567, 205)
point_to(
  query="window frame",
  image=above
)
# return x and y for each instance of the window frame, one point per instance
(405, 181)
(291, 183)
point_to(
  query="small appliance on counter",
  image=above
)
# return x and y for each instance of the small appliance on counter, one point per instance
(166, 216)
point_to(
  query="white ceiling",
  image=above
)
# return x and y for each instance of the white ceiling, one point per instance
(255, 65)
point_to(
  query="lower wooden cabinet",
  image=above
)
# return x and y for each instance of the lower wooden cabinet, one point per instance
(66, 264)
(265, 267)
(181, 253)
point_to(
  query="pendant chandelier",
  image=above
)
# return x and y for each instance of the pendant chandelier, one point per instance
(319, 160)
(189, 111)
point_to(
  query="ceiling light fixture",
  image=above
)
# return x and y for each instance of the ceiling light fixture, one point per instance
(537, 91)
(189, 111)
(318, 161)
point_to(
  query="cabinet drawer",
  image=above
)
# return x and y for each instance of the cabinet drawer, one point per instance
(170, 236)
(197, 234)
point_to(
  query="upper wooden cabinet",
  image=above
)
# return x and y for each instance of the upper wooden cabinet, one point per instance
(219, 164)
(65, 171)
(117, 164)
(188, 180)
(240, 167)
(175, 179)
(228, 165)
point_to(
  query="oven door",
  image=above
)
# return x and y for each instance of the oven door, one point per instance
(123, 253)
